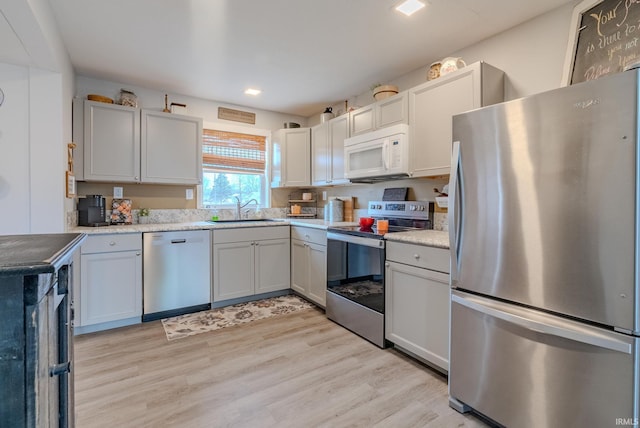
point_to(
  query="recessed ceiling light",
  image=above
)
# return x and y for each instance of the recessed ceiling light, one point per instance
(408, 7)
(252, 91)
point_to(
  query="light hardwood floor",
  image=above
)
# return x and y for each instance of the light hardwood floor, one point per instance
(297, 370)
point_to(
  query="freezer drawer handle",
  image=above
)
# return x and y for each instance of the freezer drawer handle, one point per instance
(568, 332)
(178, 241)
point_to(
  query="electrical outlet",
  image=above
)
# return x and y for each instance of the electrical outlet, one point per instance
(189, 194)
(324, 195)
(117, 192)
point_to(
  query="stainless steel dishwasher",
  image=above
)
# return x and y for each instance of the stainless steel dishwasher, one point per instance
(176, 273)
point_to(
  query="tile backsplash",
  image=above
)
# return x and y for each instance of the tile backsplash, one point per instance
(157, 216)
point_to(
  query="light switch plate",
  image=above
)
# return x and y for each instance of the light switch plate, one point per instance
(324, 195)
(189, 194)
(117, 192)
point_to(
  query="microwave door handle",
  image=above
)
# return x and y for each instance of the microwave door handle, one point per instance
(385, 154)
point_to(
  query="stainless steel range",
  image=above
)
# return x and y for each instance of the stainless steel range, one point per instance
(355, 266)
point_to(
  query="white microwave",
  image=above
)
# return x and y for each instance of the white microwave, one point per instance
(378, 155)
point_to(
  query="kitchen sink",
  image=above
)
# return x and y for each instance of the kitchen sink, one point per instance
(244, 220)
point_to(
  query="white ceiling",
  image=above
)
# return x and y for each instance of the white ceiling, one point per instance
(303, 54)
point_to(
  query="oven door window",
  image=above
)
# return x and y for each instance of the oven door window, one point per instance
(356, 272)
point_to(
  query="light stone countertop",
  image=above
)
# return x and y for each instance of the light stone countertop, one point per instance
(430, 238)
(319, 223)
(199, 225)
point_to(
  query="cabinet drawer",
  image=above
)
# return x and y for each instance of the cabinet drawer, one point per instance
(112, 243)
(417, 255)
(308, 234)
(245, 234)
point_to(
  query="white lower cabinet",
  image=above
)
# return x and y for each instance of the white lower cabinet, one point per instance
(250, 261)
(309, 263)
(272, 265)
(111, 281)
(417, 302)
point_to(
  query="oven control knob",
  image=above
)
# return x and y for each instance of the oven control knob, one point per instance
(413, 208)
(421, 207)
(378, 207)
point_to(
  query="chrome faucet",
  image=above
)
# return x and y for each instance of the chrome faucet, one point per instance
(239, 206)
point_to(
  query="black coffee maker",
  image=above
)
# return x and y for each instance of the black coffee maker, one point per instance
(92, 211)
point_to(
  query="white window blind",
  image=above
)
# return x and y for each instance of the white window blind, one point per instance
(233, 151)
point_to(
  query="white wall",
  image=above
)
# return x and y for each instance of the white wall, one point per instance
(206, 109)
(15, 151)
(531, 55)
(35, 123)
(48, 153)
(31, 142)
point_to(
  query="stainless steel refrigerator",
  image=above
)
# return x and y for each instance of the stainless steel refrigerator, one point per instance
(544, 221)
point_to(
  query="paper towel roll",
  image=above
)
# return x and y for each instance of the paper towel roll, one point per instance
(336, 208)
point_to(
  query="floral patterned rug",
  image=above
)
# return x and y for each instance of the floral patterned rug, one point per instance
(213, 319)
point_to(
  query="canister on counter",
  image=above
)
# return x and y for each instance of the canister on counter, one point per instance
(336, 210)
(348, 207)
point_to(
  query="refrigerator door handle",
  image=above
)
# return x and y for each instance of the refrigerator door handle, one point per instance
(454, 223)
(545, 324)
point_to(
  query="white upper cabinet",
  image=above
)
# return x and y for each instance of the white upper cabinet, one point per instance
(387, 112)
(320, 154)
(111, 142)
(171, 148)
(291, 165)
(125, 144)
(432, 106)
(338, 132)
(362, 120)
(327, 146)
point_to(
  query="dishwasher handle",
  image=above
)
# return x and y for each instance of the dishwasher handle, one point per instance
(178, 241)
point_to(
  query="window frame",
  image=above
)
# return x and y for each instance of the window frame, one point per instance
(227, 127)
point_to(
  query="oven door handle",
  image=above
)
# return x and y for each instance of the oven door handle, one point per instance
(358, 240)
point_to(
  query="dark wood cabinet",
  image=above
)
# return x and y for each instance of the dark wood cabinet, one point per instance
(36, 341)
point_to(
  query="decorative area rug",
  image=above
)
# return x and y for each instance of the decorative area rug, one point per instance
(214, 319)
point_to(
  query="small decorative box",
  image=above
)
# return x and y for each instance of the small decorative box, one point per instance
(121, 211)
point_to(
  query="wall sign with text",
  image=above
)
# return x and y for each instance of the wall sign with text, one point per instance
(606, 39)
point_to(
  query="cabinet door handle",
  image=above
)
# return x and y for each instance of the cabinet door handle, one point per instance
(178, 241)
(112, 243)
(386, 264)
(59, 369)
(138, 253)
(416, 256)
